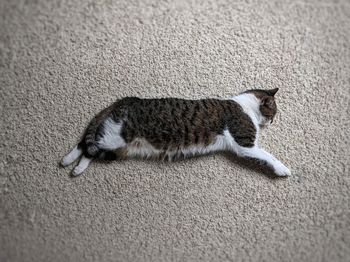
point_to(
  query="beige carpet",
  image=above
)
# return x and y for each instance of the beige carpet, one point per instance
(63, 61)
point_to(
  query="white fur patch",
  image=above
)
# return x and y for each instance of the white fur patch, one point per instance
(111, 139)
(250, 105)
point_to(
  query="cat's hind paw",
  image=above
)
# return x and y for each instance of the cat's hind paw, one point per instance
(78, 170)
(71, 157)
(66, 161)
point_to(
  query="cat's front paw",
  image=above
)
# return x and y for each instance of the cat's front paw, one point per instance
(282, 170)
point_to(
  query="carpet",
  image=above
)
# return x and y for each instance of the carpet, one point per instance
(63, 61)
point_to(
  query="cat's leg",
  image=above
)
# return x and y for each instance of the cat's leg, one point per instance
(72, 156)
(83, 164)
(260, 154)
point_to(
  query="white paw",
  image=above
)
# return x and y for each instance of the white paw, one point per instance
(282, 170)
(66, 161)
(72, 156)
(78, 170)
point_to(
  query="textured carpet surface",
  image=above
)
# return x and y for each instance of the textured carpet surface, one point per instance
(63, 61)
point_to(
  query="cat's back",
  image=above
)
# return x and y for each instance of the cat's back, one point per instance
(171, 105)
(172, 122)
(175, 111)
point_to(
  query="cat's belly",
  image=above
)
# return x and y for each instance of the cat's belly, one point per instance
(140, 147)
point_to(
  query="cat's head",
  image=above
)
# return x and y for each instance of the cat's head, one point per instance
(267, 104)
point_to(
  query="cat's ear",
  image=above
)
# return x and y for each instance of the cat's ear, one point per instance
(267, 101)
(272, 92)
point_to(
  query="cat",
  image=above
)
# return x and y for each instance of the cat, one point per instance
(172, 128)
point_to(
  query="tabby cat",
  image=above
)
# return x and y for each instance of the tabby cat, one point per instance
(172, 128)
